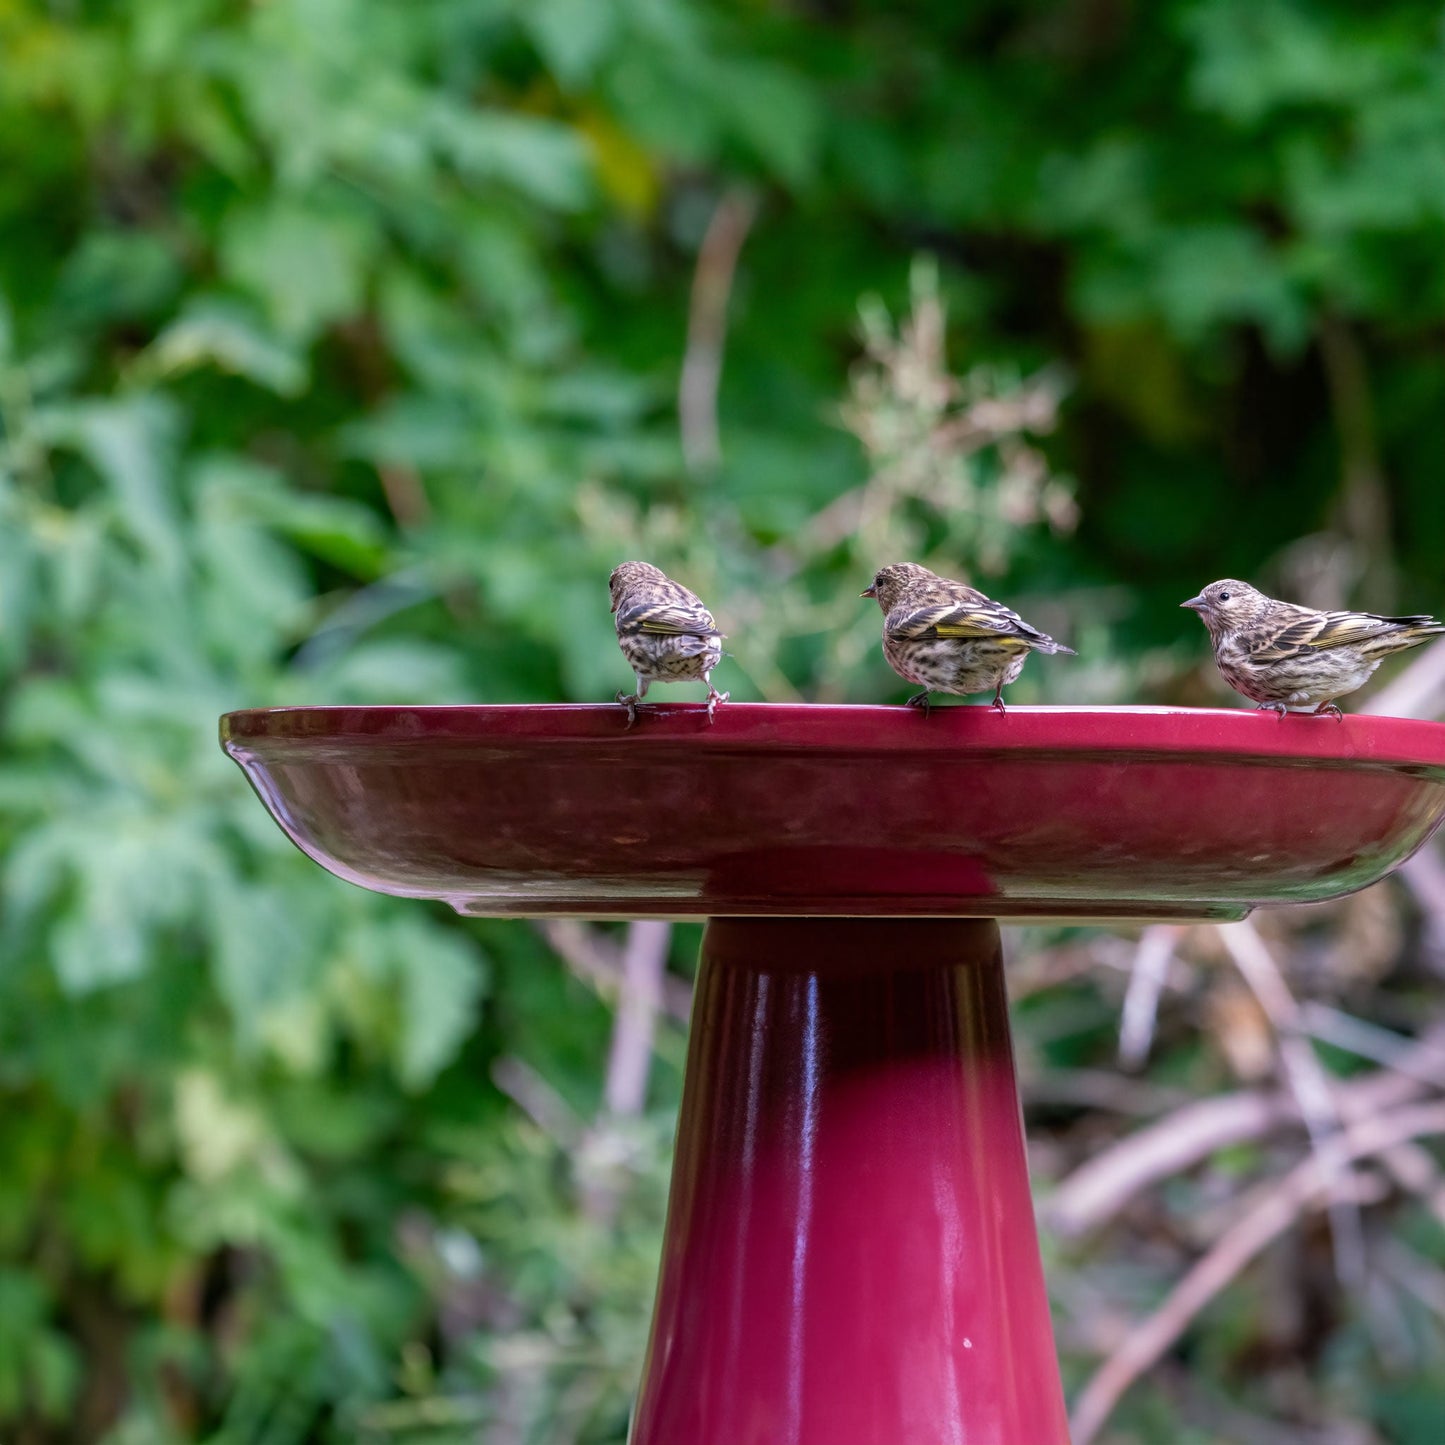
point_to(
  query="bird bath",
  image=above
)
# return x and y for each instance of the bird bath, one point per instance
(850, 1255)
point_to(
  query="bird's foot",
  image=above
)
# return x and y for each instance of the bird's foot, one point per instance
(1330, 709)
(714, 697)
(920, 699)
(1280, 709)
(997, 703)
(630, 703)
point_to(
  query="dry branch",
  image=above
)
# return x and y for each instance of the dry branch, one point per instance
(644, 963)
(1097, 1191)
(712, 285)
(597, 961)
(1307, 1184)
(1307, 1079)
(1141, 1002)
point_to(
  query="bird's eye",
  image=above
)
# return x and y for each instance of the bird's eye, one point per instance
(1224, 596)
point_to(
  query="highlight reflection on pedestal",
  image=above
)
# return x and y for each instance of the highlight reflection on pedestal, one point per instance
(850, 1256)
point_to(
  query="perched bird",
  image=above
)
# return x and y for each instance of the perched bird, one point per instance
(1295, 658)
(665, 633)
(948, 637)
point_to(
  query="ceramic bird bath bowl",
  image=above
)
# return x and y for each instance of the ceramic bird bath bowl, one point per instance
(850, 1256)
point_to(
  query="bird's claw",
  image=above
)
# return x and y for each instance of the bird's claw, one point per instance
(630, 703)
(1279, 709)
(998, 707)
(1330, 709)
(714, 697)
(920, 699)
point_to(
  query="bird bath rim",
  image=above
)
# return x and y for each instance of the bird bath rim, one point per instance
(823, 810)
(1241, 732)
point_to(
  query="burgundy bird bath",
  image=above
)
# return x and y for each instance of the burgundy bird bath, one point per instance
(850, 1255)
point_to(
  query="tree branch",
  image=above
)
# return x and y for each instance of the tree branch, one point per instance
(1302, 1187)
(644, 962)
(712, 285)
(1306, 1076)
(1096, 1191)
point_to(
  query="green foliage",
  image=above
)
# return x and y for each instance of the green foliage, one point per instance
(339, 346)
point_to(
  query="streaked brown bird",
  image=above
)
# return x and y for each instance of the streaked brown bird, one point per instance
(949, 637)
(665, 633)
(1295, 659)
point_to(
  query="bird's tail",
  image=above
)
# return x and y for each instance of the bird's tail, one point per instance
(1049, 646)
(1406, 632)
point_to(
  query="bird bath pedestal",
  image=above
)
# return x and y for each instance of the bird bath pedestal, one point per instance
(850, 1256)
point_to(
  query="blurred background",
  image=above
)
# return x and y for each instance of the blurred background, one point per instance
(345, 346)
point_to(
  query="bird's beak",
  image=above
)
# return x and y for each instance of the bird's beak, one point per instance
(1195, 604)
(869, 592)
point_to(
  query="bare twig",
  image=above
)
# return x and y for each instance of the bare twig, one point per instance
(1422, 1059)
(1306, 1076)
(1103, 1089)
(405, 493)
(597, 961)
(712, 284)
(1105, 1184)
(1424, 875)
(1146, 982)
(1049, 967)
(1302, 1187)
(1225, 1420)
(1096, 1191)
(1415, 1274)
(541, 1103)
(1424, 871)
(644, 962)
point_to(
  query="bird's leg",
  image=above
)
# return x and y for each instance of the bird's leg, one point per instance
(997, 703)
(920, 699)
(1279, 708)
(633, 703)
(714, 697)
(1330, 709)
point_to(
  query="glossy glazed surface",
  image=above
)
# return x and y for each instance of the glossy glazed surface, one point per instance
(851, 1256)
(1076, 812)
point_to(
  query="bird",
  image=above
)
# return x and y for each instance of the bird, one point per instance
(665, 633)
(949, 637)
(1297, 659)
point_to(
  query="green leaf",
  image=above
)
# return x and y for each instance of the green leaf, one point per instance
(443, 981)
(1209, 275)
(306, 266)
(541, 159)
(572, 35)
(388, 672)
(19, 568)
(119, 275)
(775, 111)
(131, 444)
(215, 331)
(269, 946)
(38, 1366)
(1254, 56)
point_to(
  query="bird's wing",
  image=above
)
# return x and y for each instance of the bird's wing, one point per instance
(963, 617)
(1319, 631)
(673, 618)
